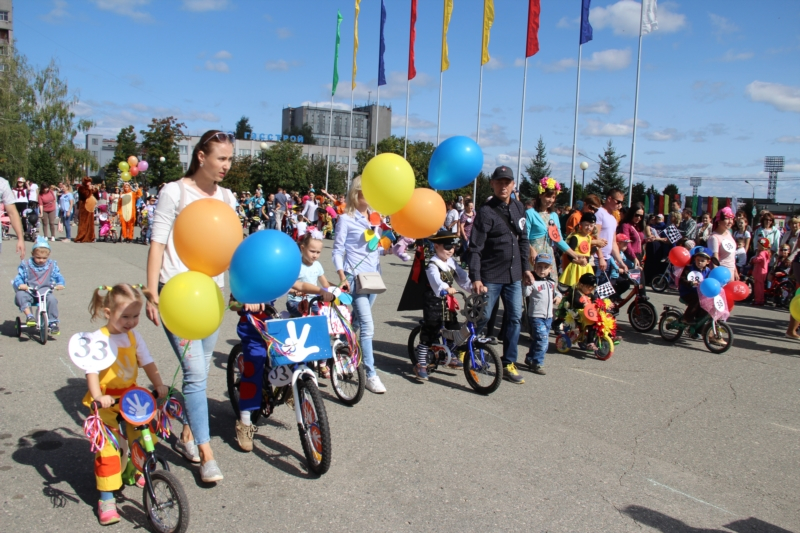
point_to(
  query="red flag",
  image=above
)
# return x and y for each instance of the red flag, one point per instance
(532, 45)
(412, 71)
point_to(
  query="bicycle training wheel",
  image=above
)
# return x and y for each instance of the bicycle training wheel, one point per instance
(659, 283)
(315, 435)
(347, 376)
(484, 372)
(605, 348)
(44, 328)
(169, 513)
(719, 342)
(642, 316)
(667, 326)
(234, 377)
(413, 340)
(17, 327)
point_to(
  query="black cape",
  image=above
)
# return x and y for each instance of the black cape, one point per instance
(412, 299)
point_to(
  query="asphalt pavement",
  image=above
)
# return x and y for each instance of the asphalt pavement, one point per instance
(659, 437)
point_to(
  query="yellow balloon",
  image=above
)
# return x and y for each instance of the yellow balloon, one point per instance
(191, 305)
(388, 183)
(794, 307)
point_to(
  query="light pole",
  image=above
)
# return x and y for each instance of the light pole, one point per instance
(754, 196)
(584, 166)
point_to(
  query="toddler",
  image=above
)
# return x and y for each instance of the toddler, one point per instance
(36, 273)
(687, 285)
(581, 244)
(576, 298)
(741, 257)
(542, 298)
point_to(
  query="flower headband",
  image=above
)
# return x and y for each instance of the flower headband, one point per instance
(549, 183)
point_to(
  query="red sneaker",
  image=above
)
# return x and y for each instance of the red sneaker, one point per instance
(107, 512)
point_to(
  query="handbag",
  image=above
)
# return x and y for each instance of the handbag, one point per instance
(369, 283)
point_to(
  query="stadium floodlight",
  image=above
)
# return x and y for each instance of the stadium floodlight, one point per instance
(773, 165)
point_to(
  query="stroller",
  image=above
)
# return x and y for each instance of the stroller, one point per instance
(32, 218)
(5, 222)
(106, 234)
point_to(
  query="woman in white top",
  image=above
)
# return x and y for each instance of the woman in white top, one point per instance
(310, 210)
(211, 161)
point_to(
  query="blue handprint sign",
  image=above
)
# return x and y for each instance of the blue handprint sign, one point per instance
(302, 339)
(137, 406)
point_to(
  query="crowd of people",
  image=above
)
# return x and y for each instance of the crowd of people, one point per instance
(551, 257)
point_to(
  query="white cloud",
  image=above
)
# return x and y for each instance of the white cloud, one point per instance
(731, 56)
(707, 92)
(58, 13)
(414, 122)
(538, 108)
(495, 63)
(280, 65)
(781, 97)
(600, 108)
(596, 128)
(216, 66)
(336, 105)
(494, 135)
(562, 150)
(394, 88)
(788, 139)
(611, 59)
(223, 54)
(668, 134)
(722, 26)
(566, 22)
(519, 62)
(654, 152)
(283, 33)
(624, 18)
(110, 117)
(205, 5)
(126, 8)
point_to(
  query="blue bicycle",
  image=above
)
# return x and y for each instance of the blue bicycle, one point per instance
(483, 368)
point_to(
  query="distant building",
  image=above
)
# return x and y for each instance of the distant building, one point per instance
(365, 123)
(6, 30)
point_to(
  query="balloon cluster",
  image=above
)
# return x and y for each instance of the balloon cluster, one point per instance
(131, 168)
(388, 185)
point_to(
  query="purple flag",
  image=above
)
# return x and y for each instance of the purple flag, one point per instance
(381, 68)
(586, 28)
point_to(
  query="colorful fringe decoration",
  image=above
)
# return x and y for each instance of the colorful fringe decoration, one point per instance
(98, 432)
(170, 409)
(606, 323)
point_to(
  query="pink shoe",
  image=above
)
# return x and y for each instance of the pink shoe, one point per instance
(139, 477)
(107, 512)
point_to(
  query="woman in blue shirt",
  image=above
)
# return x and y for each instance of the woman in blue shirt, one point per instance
(66, 204)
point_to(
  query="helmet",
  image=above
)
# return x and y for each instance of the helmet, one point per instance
(701, 251)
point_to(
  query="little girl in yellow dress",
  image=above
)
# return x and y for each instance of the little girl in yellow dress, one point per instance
(581, 244)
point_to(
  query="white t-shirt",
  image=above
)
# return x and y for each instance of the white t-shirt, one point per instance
(310, 211)
(302, 227)
(168, 204)
(608, 230)
(309, 274)
(452, 216)
(120, 340)
(33, 193)
(6, 196)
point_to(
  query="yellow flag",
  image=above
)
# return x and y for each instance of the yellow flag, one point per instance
(355, 42)
(488, 19)
(448, 12)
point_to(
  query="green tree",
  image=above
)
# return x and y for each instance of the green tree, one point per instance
(16, 107)
(238, 177)
(638, 193)
(159, 140)
(608, 175)
(243, 126)
(418, 156)
(304, 130)
(337, 176)
(537, 169)
(286, 167)
(259, 173)
(671, 190)
(42, 168)
(126, 147)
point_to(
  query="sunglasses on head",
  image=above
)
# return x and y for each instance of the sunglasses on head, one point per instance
(222, 137)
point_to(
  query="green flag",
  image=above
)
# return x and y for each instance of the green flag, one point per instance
(336, 53)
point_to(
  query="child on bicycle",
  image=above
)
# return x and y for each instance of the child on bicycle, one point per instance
(542, 298)
(576, 299)
(35, 273)
(121, 307)
(691, 277)
(438, 307)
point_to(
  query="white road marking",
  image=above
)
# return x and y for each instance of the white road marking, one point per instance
(690, 496)
(68, 367)
(600, 376)
(477, 409)
(784, 427)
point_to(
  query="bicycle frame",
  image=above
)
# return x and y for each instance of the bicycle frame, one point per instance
(303, 369)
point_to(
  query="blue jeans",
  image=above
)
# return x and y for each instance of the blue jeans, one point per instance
(271, 223)
(67, 221)
(540, 329)
(511, 294)
(362, 319)
(291, 307)
(195, 375)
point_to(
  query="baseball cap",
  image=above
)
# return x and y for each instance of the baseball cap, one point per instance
(588, 217)
(544, 258)
(622, 238)
(501, 173)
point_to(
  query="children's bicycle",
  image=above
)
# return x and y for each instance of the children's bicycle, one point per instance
(294, 385)
(717, 334)
(42, 327)
(483, 368)
(597, 336)
(664, 280)
(641, 313)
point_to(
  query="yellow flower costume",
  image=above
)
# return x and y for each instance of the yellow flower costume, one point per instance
(582, 246)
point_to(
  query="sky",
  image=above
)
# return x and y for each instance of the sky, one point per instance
(720, 79)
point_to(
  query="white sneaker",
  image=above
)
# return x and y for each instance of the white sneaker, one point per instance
(374, 385)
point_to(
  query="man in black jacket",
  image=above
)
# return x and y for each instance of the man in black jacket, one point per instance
(499, 261)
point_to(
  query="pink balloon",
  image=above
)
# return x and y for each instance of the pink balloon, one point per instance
(143, 166)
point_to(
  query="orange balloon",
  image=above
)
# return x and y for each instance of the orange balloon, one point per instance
(133, 161)
(422, 216)
(206, 233)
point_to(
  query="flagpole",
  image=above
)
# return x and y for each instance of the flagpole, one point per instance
(408, 96)
(636, 105)
(522, 123)
(478, 133)
(377, 118)
(439, 114)
(330, 134)
(350, 142)
(575, 131)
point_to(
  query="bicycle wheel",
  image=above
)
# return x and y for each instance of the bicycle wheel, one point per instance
(169, 513)
(605, 348)
(642, 316)
(485, 372)
(666, 326)
(44, 328)
(17, 327)
(563, 343)
(348, 379)
(234, 377)
(413, 340)
(659, 283)
(315, 435)
(719, 342)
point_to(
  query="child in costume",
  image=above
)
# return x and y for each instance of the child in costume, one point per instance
(578, 297)
(127, 210)
(37, 272)
(761, 269)
(542, 298)
(438, 307)
(691, 277)
(121, 306)
(581, 244)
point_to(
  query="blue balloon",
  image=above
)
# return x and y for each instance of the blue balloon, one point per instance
(455, 163)
(721, 274)
(710, 287)
(264, 267)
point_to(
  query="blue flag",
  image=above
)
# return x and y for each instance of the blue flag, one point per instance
(381, 68)
(586, 28)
